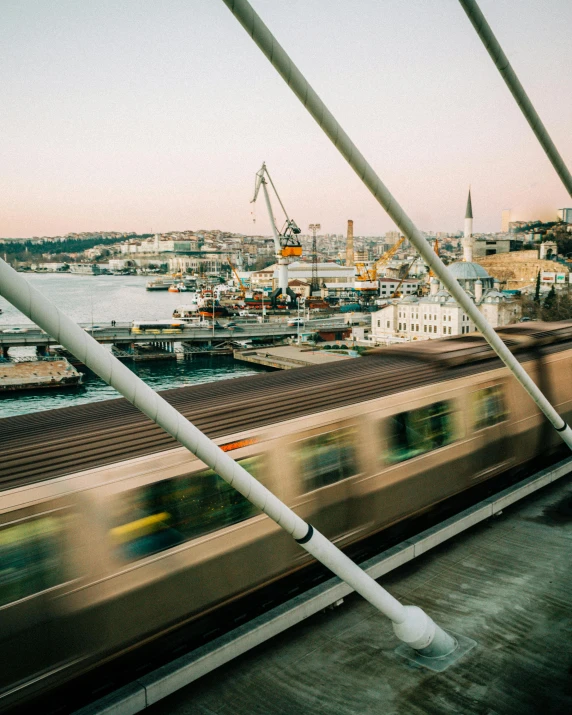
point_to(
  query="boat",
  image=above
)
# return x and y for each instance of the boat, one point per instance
(189, 311)
(178, 287)
(160, 284)
(207, 310)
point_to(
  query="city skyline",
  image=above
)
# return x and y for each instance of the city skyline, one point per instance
(154, 119)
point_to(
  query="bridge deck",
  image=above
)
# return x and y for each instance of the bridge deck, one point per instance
(505, 583)
(31, 335)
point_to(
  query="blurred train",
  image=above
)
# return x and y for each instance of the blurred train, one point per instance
(107, 539)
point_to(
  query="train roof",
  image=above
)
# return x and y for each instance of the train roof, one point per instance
(43, 445)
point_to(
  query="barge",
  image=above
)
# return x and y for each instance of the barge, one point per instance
(38, 374)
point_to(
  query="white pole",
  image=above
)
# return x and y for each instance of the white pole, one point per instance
(508, 74)
(411, 624)
(262, 36)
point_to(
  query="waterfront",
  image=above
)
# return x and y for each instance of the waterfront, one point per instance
(121, 298)
(96, 299)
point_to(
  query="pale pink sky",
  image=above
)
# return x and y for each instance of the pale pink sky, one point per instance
(150, 116)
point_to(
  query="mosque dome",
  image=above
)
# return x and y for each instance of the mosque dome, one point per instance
(467, 274)
(468, 271)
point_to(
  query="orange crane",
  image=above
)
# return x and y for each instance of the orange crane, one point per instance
(365, 274)
(436, 249)
(396, 293)
(241, 285)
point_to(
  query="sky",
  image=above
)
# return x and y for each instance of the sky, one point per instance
(154, 116)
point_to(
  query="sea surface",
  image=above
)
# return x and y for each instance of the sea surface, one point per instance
(98, 299)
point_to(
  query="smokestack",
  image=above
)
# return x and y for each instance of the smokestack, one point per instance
(350, 244)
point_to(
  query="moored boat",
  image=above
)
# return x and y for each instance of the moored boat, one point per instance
(160, 284)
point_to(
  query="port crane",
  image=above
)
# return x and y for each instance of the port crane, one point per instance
(286, 241)
(241, 286)
(370, 274)
(397, 291)
(436, 249)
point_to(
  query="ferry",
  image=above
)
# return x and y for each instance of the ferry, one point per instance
(160, 284)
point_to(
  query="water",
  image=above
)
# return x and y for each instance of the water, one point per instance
(100, 299)
(96, 299)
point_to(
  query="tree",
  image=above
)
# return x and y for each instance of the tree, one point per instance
(537, 290)
(550, 299)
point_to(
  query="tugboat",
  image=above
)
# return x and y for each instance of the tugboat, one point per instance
(207, 311)
(178, 287)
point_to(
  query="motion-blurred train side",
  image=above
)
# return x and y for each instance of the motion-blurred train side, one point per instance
(94, 561)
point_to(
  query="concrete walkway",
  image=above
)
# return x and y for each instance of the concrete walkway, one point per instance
(506, 583)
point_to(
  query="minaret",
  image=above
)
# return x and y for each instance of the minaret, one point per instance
(468, 237)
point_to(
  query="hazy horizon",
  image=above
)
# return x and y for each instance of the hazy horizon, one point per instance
(149, 118)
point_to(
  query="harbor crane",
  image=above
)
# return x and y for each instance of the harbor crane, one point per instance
(286, 241)
(370, 274)
(241, 286)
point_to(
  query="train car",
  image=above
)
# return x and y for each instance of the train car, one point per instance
(111, 534)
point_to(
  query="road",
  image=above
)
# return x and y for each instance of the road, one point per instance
(22, 335)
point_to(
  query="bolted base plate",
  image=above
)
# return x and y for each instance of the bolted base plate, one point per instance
(464, 645)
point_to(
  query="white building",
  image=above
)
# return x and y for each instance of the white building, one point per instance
(433, 316)
(388, 286)
(331, 274)
(203, 263)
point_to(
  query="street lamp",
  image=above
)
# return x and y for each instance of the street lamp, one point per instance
(314, 283)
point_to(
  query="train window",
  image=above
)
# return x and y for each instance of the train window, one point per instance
(420, 431)
(326, 458)
(31, 558)
(489, 406)
(167, 513)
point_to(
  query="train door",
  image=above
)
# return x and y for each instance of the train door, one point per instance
(323, 461)
(488, 426)
(36, 634)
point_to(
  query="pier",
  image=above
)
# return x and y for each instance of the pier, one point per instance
(288, 357)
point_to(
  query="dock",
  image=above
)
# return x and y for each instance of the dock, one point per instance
(287, 357)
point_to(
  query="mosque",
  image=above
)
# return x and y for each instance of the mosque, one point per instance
(437, 314)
